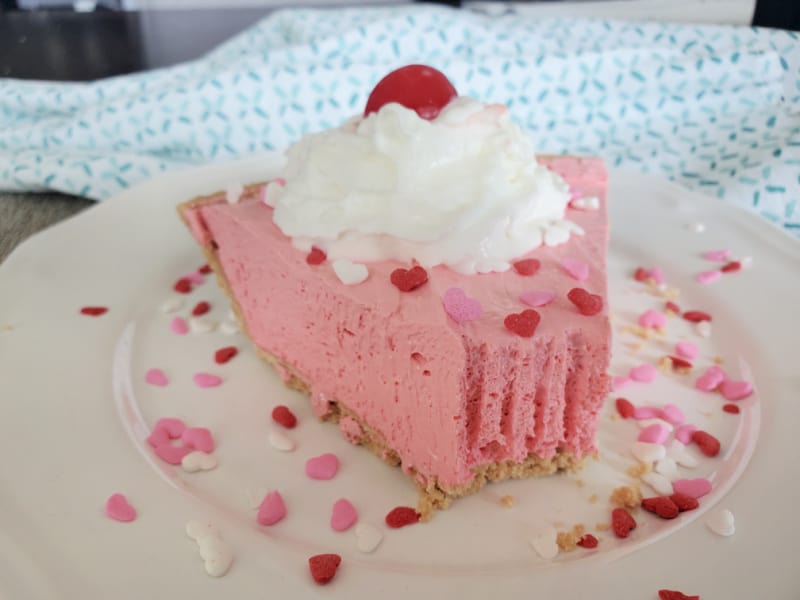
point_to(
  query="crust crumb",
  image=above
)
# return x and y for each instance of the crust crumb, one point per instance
(627, 496)
(640, 469)
(568, 540)
(718, 360)
(593, 498)
(602, 526)
(8, 328)
(507, 501)
(579, 483)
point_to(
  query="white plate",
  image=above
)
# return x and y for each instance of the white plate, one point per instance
(74, 410)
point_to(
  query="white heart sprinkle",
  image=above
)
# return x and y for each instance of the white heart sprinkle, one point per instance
(201, 325)
(678, 452)
(667, 467)
(659, 483)
(642, 423)
(280, 441)
(216, 554)
(721, 522)
(350, 273)
(703, 328)
(229, 327)
(545, 543)
(198, 461)
(368, 537)
(171, 305)
(746, 262)
(646, 452)
(586, 203)
(234, 192)
(697, 227)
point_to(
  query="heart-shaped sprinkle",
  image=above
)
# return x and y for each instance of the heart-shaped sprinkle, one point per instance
(198, 461)
(200, 325)
(707, 277)
(620, 381)
(407, 280)
(216, 554)
(666, 467)
(721, 522)
(687, 350)
(272, 509)
(536, 298)
(156, 377)
(183, 286)
(350, 273)
(653, 318)
(695, 316)
(223, 355)
(280, 441)
(731, 408)
(708, 444)
(585, 203)
(645, 373)
(671, 308)
(588, 541)
(523, 324)
(675, 594)
(672, 414)
(205, 269)
(316, 256)
(201, 308)
(527, 266)
(283, 416)
(545, 543)
(624, 407)
(172, 455)
(368, 537)
(323, 466)
(179, 326)
(647, 452)
(586, 303)
(677, 452)
(576, 269)
(198, 438)
(717, 255)
(663, 506)
(171, 305)
(654, 434)
(696, 488)
(684, 502)
(645, 423)
(166, 429)
(119, 509)
(460, 307)
(622, 523)
(646, 412)
(206, 380)
(703, 329)
(658, 482)
(731, 267)
(229, 327)
(684, 433)
(195, 277)
(94, 311)
(400, 516)
(323, 567)
(736, 390)
(343, 515)
(711, 379)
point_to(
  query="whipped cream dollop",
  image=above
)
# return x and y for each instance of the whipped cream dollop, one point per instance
(462, 190)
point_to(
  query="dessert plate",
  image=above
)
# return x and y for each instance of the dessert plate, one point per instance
(75, 411)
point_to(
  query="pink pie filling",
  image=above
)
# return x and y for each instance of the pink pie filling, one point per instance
(446, 397)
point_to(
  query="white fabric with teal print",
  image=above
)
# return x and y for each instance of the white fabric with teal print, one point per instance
(716, 109)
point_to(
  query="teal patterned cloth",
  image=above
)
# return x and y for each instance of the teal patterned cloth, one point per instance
(716, 109)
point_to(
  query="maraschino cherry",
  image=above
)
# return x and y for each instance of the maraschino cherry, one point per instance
(418, 87)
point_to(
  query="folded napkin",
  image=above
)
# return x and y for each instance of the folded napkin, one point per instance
(715, 108)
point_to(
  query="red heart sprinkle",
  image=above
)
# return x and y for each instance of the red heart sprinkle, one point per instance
(695, 316)
(625, 409)
(524, 323)
(418, 87)
(201, 308)
(684, 502)
(586, 303)
(183, 286)
(283, 416)
(323, 567)
(406, 280)
(527, 267)
(675, 595)
(205, 269)
(94, 311)
(663, 506)
(588, 541)
(731, 267)
(641, 274)
(316, 256)
(672, 307)
(709, 445)
(223, 355)
(731, 408)
(401, 516)
(680, 363)
(622, 522)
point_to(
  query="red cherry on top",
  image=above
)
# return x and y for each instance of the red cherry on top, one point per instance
(418, 87)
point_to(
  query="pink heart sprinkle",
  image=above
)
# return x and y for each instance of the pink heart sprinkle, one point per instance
(684, 433)
(170, 454)
(195, 277)
(708, 276)
(619, 382)
(696, 488)
(717, 255)
(164, 430)
(460, 307)
(710, 380)
(119, 509)
(654, 434)
(736, 390)
(206, 380)
(179, 326)
(657, 275)
(653, 318)
(272, 509)
(537, 298)
(323, 466)
(672, 414)
(198, 438)
(344, 515)
(686, 350)
(646, 412)
(156, 377)
(645, 373)
(576, 269)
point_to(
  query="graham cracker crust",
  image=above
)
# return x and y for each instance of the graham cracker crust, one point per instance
(433, 495)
